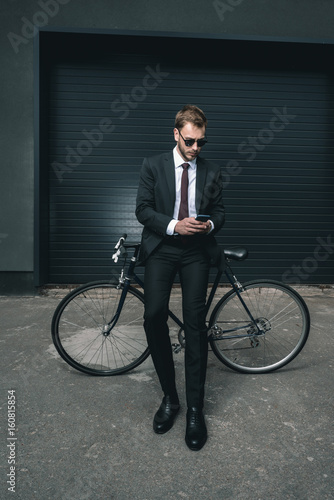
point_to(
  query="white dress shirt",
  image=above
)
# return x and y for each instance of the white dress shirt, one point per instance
(178, 161)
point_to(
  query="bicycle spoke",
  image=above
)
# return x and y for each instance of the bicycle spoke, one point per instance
(278, 334)
(82, 334)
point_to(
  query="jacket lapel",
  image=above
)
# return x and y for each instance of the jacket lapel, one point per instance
(200, 182)
(169, 169)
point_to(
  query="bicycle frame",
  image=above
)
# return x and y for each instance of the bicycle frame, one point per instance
(125, 282)
(80, 324)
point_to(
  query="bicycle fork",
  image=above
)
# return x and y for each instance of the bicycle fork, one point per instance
(124, 285)
(109, 326)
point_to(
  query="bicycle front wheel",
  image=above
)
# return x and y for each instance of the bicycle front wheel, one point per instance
(81, 329)
(279, 313)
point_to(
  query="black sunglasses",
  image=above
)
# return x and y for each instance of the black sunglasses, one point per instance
(190, 142)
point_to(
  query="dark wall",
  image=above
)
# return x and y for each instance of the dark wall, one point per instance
(312, 19)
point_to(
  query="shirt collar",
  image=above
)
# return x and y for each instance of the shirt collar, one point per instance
(178, 160)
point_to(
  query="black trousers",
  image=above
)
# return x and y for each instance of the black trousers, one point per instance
(192, 264)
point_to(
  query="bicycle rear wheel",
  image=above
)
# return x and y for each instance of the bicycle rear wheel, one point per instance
(80, 323)
(281, 315)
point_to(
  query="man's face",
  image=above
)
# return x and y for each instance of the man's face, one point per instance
(189, 131)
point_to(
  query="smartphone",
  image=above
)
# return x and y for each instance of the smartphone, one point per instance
(203, 218)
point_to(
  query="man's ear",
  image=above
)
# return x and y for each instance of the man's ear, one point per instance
(176, 134)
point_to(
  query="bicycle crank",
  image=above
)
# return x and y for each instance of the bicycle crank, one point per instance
(182, 342)
(182, 338)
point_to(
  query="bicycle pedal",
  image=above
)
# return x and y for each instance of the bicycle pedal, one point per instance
(176, 348)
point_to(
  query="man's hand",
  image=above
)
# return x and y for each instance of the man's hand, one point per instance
(190, 226)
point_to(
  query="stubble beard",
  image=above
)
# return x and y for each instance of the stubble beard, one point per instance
(186, 155)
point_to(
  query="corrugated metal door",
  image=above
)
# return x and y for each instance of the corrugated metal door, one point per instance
(271, 128)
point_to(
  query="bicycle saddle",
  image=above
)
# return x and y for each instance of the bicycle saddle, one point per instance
(236, 253)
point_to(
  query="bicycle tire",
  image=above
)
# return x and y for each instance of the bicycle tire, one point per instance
(278, 309)
(78, 329)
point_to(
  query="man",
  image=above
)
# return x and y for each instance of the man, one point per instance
(175, 188)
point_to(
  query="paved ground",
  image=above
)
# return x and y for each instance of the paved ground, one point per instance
(82, 437)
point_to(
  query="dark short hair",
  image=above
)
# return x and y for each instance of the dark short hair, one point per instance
(190, 114)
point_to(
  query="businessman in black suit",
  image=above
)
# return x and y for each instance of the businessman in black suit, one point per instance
(174, 188)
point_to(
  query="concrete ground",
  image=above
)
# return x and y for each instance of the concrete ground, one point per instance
(80, 437)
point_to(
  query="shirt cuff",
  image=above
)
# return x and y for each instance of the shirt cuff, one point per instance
(171, 227)
(212, 226)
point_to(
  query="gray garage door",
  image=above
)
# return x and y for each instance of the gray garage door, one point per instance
(112, 100)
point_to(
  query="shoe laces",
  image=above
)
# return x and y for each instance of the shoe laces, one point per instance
(194, 417)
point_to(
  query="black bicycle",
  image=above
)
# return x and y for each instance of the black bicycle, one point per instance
(256, 327)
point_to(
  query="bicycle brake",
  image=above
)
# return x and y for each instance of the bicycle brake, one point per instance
(116, 255)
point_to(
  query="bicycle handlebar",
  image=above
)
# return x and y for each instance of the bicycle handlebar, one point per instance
(118, 247)
(121, 241)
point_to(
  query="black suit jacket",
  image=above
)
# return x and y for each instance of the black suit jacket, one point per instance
(156, 200)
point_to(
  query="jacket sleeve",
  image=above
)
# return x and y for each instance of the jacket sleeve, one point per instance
(212, 199)
(146, 210)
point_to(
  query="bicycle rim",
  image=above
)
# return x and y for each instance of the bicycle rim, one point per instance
(80, 322)
(281, 315)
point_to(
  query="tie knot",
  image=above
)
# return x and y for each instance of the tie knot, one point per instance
(185, 165)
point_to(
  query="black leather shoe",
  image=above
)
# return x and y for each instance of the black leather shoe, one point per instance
(164, 417)
(196, 433)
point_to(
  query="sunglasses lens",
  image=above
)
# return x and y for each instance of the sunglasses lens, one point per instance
(190, 142)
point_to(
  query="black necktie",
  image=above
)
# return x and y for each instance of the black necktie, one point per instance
(183, 212)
